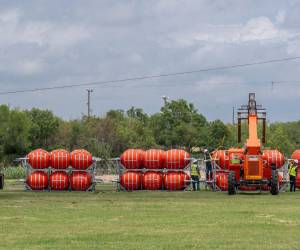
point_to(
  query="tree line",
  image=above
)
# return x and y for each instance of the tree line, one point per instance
(177, 125)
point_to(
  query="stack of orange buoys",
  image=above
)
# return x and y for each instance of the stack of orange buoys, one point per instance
(60, 170)
(154, 169)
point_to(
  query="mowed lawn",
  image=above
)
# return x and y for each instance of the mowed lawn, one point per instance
(147, 220)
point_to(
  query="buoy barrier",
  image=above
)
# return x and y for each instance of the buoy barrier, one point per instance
(154, 169)
(59, 170)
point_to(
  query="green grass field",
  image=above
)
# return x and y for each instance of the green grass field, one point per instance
(147, 220)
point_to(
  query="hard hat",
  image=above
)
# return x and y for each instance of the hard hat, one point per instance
(205, 150)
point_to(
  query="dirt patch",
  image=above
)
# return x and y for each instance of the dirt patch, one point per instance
(107, 178)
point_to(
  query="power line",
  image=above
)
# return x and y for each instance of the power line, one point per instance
(287, 81)
(174, 85)
(152, 76)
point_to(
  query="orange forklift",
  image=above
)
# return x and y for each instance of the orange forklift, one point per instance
(249, 170)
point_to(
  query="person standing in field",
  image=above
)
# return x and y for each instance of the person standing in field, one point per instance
(208, 167)
(293, 173)
(195, 174)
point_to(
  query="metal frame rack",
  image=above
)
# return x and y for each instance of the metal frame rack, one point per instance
(29, 170)
(285, 176)
(213, 182)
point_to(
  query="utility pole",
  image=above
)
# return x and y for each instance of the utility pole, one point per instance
(233, 111)
(89, 101)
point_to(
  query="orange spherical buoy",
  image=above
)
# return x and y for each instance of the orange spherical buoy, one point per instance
(298, 180)
(177, 159)
(59, 181)
(81, 159)
(222, 180)
(176, 180)
(80, 181)
(152, 180)
(132, 158)
(221, 158)
(131, 180)
(38, 180)
(154, 159)
(296, 156)
(39, 159)
(60, 159)
(273, 157)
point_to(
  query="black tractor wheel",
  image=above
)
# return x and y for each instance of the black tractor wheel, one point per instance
(274, 183)
(231, 183)
(1, 181)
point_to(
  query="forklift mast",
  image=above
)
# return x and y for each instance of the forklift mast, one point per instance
(253, 162)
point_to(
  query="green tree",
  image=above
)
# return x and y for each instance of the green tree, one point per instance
(16, 137)
(137, 113)
(218, 134)
(4, 124)
(279, 139)
(44, 126)
(179, 124)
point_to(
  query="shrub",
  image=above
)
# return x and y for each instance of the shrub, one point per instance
(14, 172)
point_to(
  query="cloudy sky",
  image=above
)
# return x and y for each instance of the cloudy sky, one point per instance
(50, 43)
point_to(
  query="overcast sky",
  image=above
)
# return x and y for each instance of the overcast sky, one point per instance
(49, 43)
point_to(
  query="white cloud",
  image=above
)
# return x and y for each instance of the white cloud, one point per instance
(49, 38)
(52, 35)
(135, 58)
(258, 29)
(50, 43)
(280, 17)
(29, 67)
(218, 83)
(10, 16)
(42, 33)
(293, 47)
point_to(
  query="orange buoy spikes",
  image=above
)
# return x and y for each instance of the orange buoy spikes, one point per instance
(273, 157)
(81, 159)
(80, 181)
(39, 159)
(152, 180)
(132, 158)
(176, 180)
(38, 180)
(59, 181)
(222, 180)
(60, 159)
(221, 157)
(296, 156)
(177, 159)
(131, 180)
(154, 159)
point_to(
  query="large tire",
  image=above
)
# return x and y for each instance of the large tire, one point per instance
(231, 183)
(1, 181)
(274, 183)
